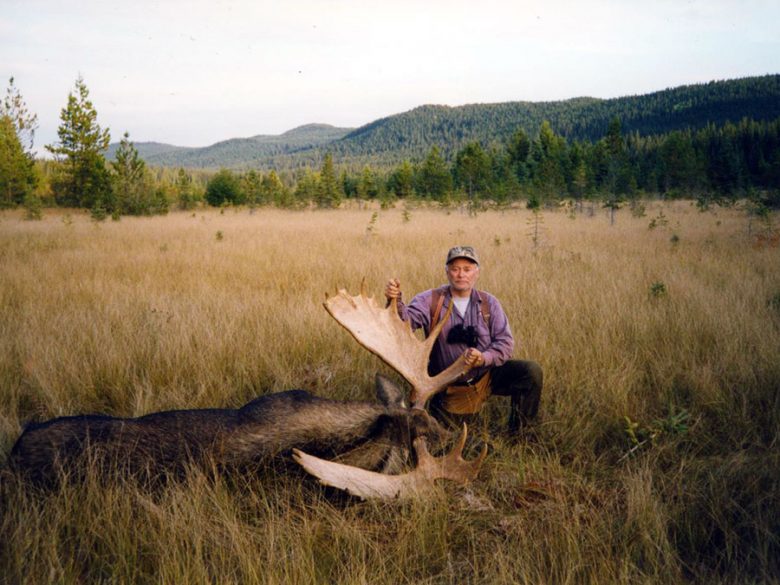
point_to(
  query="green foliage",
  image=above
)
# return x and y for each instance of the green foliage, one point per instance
(641, 436)
(252, 187)
(33, 206)
(401, 180)
(434, 179)
(224, 188)
(774, 302)
(274, 191)
(659, 221)
(367, 187)
(134, 193)
(658, 289)
(17, 170)
(98, 211)
(25, 122)
(83, 179)
(371, 227)
(186, 195)
(472, 170)
(329, 190)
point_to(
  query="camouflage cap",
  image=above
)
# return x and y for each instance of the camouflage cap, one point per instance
(466, 252)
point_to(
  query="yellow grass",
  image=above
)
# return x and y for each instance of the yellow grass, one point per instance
(156, 313)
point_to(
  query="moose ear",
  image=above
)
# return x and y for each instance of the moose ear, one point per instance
(388, 392)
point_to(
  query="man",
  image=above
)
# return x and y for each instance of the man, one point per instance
(479, 327)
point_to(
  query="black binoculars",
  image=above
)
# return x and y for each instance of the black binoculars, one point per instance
(465, 335)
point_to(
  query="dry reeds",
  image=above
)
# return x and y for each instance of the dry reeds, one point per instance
(655, 459)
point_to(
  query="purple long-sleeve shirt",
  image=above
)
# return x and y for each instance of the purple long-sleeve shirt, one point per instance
(495, 342)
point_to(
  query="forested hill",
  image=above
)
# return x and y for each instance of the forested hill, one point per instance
(237, 152)
(410, 135)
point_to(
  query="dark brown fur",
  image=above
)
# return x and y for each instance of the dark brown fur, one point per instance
(370, 435)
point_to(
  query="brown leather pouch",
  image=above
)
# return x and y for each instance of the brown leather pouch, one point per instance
(467, 399)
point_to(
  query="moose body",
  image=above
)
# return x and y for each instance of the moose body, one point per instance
(358, 438)
(371, 435)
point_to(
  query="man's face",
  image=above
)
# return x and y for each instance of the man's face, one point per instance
(462, 274)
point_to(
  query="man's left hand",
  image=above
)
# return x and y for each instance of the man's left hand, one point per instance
(474, 358)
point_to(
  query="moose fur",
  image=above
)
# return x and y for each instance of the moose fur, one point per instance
(371, 435)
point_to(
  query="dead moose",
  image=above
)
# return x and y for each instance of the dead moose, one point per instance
(369, 441)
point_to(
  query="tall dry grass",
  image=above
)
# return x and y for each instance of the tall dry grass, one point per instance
(209, 309)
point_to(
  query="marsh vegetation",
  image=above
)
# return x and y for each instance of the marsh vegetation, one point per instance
(655, 459)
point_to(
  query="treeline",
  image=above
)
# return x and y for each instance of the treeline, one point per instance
(716, 163)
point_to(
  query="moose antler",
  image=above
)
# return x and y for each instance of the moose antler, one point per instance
(370, 484)
(383, 333)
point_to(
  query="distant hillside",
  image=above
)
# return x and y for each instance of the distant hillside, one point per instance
(145, 149)
(237, 152)
(410, 135)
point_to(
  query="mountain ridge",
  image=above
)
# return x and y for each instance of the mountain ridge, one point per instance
(410, 135)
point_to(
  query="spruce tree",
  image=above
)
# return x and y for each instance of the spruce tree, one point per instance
(401, 181)
(434, 179)
(330, 191)
(17, 173)
(132, 188)
(25, 122)
(18, 178)
(83, 180)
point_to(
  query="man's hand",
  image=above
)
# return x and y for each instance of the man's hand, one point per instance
(474, 357)
(393, 289)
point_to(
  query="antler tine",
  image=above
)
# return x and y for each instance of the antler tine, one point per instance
(434, 334)
(383, 332)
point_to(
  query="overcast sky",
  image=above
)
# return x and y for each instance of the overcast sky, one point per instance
(193, 73)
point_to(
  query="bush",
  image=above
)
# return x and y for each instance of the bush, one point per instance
(224, 187)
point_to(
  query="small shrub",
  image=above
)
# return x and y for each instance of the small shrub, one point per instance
(658, 289)
(638, 209)
(640, 436)
(774, 302)
(371, 227)
(98, 212)
(659, 221)
(33, 207)
(220, 235)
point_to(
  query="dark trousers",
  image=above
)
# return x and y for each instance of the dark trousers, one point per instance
(521, 380)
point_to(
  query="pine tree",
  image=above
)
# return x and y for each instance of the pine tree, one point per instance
(330, 192)
(518, 148)
(17, 173)
(472, 169)
(186, 196)
(18, 178)
(25, 122)
(275, 191)
(133, 192)
(83, 180)
(253, 189)
(434, 179)
(401, 181)
(367, 186)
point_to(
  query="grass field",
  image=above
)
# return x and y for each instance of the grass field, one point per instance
(655, 460)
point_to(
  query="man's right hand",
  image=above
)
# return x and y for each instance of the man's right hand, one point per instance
(393, 289)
